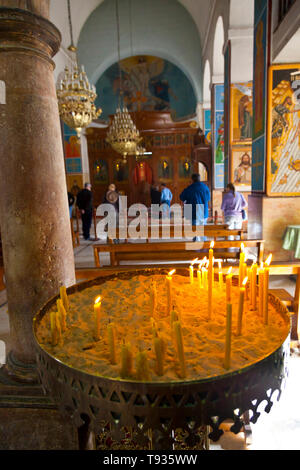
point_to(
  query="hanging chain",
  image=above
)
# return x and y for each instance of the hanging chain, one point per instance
(119, 54)
(70, 23)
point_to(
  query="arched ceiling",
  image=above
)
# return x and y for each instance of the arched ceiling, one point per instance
(172, 29)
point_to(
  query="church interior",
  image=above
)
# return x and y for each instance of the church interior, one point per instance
(130, 332)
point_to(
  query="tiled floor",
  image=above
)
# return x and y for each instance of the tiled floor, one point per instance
(278, 430)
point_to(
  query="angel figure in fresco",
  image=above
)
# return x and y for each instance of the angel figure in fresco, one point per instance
(279, 122)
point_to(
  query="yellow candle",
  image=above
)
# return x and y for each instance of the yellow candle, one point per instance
(192, 270)
(169, 290)
(220, 276)
(228, 337)
(248, 285)
(126, 361)
(266, 290)
(204, 278)
(174, 317)
(210, 279)
(159, 355)
(241, 307)
(180, 348)
(62, 314)
(228, 285)
(142, 366)
(112, 343)
(64, 297)
(261, 291)
(241, 265)
(254, 276)
(153, 299)
(199, 277)
(97, 314)
(53, 328)
(58, 327)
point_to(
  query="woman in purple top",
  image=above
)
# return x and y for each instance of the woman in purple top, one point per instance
(232, 206)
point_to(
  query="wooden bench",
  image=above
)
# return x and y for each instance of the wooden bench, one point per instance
(75, 234)
(175, 251)
(161, 232)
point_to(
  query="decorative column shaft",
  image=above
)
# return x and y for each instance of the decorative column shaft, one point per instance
(34, 218)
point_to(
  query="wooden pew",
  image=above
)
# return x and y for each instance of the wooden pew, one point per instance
(169, 232)
(75, 234)
(175, 251)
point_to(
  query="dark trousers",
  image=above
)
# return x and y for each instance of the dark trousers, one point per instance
(86, 223)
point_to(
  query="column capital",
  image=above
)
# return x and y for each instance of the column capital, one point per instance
(23, 31)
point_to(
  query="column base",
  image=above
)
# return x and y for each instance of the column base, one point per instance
(29, 419)
(19, 372)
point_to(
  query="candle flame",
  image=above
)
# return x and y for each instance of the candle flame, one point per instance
(172, 272)
(268, 260)
(242, 247)
(194, 261)
(98, 299)
(246, 257)
(261, 265)
(212, 244)
(220, 264)
(229, 270)
(204, 259)
(245, 281)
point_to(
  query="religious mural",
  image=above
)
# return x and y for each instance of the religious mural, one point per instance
(241, 163)
(284, 131)
(227, 111)
(207, 126)
(260, 66)
(218, 141)
(241, 112)
(121, 171)
(165, 169)
(148, 83)
(185, 168)
(100, 172)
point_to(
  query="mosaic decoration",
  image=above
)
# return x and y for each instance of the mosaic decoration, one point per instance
(218, 139)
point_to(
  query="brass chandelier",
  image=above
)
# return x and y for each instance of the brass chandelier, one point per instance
(75, 94)
(122, 134)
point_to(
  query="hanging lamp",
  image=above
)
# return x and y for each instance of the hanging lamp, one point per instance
(75, 94)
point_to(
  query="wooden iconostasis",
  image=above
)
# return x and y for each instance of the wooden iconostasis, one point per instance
(173, 159)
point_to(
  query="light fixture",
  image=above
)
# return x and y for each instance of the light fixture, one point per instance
(75, 94)
(122, 134)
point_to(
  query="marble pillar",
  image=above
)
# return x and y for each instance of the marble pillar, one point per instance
(34, 218)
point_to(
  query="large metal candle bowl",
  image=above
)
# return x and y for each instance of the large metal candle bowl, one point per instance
(155, 411)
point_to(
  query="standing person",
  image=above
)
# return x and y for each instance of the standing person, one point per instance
(84, 203)
(71, 200)
(233, 204)
(198, 195)
(165, 199)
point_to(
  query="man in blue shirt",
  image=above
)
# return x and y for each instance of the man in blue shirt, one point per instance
(198, 196)
(165, 198)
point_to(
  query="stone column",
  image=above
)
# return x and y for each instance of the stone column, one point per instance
(34, 219)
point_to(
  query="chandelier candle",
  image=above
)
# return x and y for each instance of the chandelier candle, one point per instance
(97, 314)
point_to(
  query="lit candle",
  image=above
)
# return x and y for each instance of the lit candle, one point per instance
(228, 337)
(64, 297)
(248, 285)
(62, 314)
(210, 279)
(180, 348)
(192, 270)
(159, 355)
(169, 290)
(266, 290)
(229, 285)
(142, 366)
(126, 361)
(58, 327)
(254, 276)
(241, 307)
(241, 265)
(261, 290)
(220, 275)
(112, 343)
(199, 276)
(174, 317)
(204, 278)
(97, 314)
